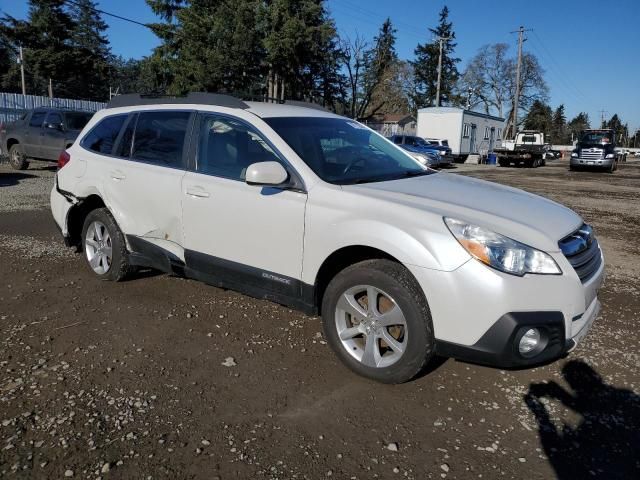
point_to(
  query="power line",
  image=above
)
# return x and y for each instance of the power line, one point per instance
(561, 73)
(130, 20)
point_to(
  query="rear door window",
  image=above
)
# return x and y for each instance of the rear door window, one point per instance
(159, 137)
(37, 119)
(77, 120)
(103, 136)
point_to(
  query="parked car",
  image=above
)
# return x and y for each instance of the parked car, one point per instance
(596, 148)
(316, 211)
(552, 154)
(441, 144)
(421, 150)
(42, 134)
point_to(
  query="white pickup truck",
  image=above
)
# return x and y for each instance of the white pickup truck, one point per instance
(528, 149)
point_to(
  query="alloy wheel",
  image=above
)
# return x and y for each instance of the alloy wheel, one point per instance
(371, 326)
(98, 247)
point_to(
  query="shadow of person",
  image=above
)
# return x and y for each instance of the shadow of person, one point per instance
(606, 442)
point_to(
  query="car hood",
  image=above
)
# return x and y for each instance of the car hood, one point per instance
(522, 216)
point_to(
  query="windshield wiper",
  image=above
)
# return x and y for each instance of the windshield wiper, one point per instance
(415, 173)
(387, 178)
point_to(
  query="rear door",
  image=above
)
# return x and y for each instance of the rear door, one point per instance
(142, 179)
(52, 136)
(32, 133)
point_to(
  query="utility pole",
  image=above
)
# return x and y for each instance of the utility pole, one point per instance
(516, 100)
(21, 60)
(50, 89)
(440, 41)
(602, 117)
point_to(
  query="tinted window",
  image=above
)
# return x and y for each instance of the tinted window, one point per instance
(76, 120)
(159, 137)
(54, 118)
(124, 146)
(37, 119)
(227, 147)
(102, 137)
(342, 151)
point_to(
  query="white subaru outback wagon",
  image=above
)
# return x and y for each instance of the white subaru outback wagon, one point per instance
(316, 211)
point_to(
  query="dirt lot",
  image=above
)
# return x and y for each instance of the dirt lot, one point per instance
(131, 380)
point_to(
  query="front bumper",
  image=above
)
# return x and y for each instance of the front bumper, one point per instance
(588, 162)
(479, 314)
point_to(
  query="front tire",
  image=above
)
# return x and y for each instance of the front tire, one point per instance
(104, 246)
(17, 158)
(377, 321)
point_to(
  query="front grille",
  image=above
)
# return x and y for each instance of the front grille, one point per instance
(591, 154)
(583, 252)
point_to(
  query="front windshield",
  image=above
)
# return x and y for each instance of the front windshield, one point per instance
(77, 120)
(343, 152)
(596, 137)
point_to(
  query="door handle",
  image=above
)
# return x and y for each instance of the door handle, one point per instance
(198, 192)
(117, 175)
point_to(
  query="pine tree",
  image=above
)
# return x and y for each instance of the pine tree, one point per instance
(46, 39)
(576, 125)
(559, 126)
(378, 62)
(540, 117)
(299, 40)
(92, 51)
(426, 65)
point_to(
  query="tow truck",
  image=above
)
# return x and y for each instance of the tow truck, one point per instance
(528, 149)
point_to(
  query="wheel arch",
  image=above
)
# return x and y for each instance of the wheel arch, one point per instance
(11, 142)
(77, 215)
(339, 260)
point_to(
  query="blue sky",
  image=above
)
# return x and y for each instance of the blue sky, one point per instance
(590, 49)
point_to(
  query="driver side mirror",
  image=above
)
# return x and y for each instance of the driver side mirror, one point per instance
(266, 173)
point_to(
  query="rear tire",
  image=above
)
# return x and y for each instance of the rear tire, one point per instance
(104, 246)
(17, 158)
(390, 342)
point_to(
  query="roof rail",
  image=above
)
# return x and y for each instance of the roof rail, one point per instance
(133, 99)
(279, 101)
(300, 103)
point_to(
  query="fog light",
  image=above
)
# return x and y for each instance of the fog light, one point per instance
(529, 342)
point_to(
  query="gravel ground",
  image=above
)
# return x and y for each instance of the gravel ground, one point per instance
(162, 377)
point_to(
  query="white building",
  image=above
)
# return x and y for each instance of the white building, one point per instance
(467, 132)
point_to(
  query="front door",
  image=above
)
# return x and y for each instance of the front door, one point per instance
(238, 235)
(492, 139)
(472, 140)
(32, 134)
(52, 136)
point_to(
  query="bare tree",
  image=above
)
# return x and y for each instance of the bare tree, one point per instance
(489, 81)
(353, 56)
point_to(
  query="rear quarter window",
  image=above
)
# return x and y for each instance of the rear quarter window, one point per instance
(102, 137)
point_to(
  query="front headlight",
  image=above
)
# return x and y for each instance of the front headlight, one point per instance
(610, 155)
(574, 154)
(421, 158)
(500, 252)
